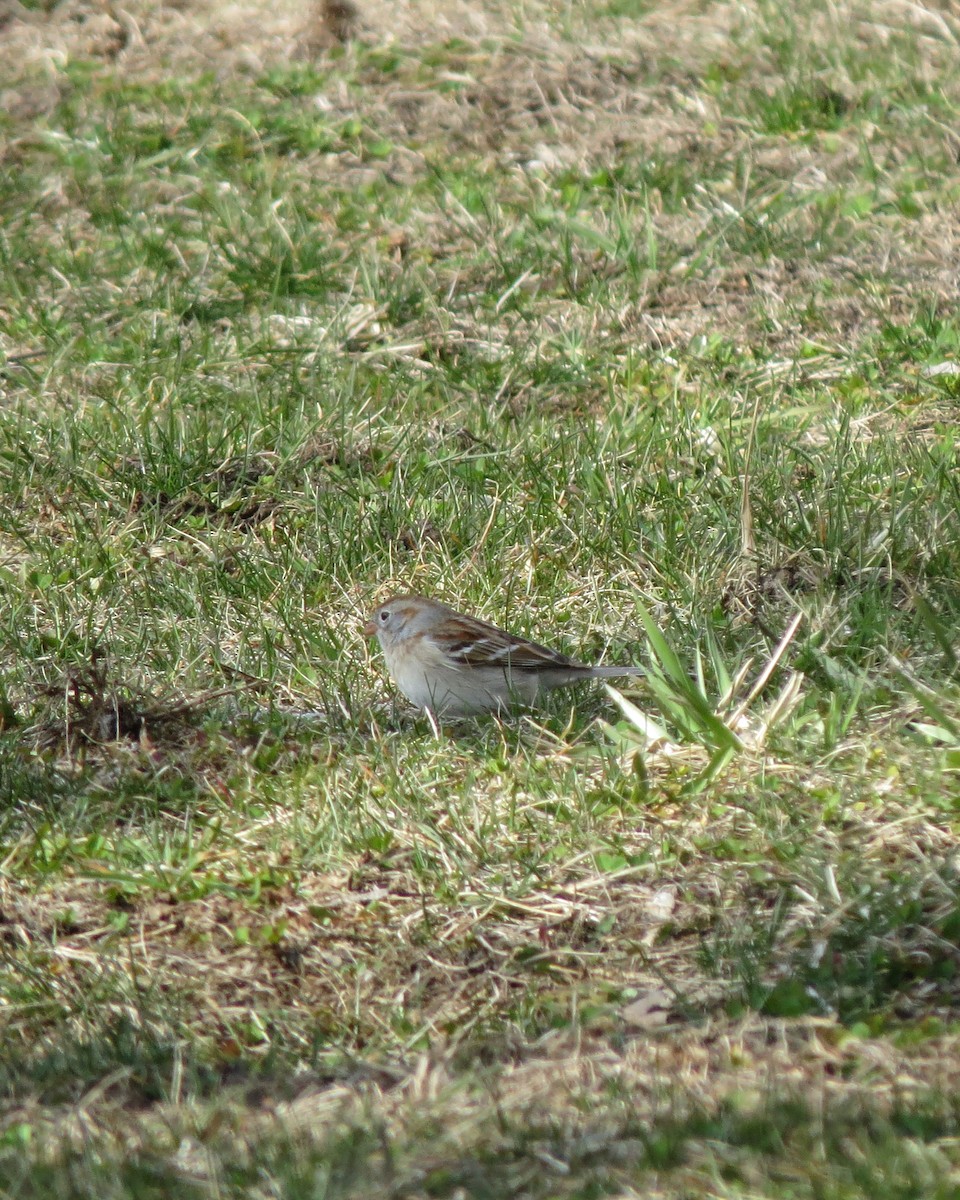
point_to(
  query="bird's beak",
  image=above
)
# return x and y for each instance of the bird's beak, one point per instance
(369, 630)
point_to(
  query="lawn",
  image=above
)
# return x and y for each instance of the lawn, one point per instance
(630, 327)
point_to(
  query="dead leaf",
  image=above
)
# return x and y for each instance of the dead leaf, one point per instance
(649, 1010)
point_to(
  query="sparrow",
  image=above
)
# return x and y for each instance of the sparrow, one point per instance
(454, 665)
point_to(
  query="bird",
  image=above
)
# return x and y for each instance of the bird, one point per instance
(453, 665)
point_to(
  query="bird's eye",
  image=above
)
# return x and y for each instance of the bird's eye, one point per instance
(384, 616)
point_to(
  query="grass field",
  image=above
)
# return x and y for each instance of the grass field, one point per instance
(630, 326)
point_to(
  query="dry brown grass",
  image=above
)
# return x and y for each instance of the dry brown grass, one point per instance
(349, 951)
(538, 98)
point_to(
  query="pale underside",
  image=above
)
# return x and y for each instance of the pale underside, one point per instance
(449, 689)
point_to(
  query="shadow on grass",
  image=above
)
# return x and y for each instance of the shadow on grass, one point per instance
(842, 1151)
(885, 952)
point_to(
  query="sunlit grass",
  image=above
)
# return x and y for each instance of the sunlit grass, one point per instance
(640, 355)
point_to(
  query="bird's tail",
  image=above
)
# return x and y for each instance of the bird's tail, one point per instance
(613, 672)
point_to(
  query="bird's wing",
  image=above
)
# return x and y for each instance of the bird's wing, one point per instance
(487, 646)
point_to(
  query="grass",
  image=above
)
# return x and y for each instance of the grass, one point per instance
(627, 327)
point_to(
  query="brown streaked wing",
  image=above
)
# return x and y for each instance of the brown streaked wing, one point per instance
(499, 649)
